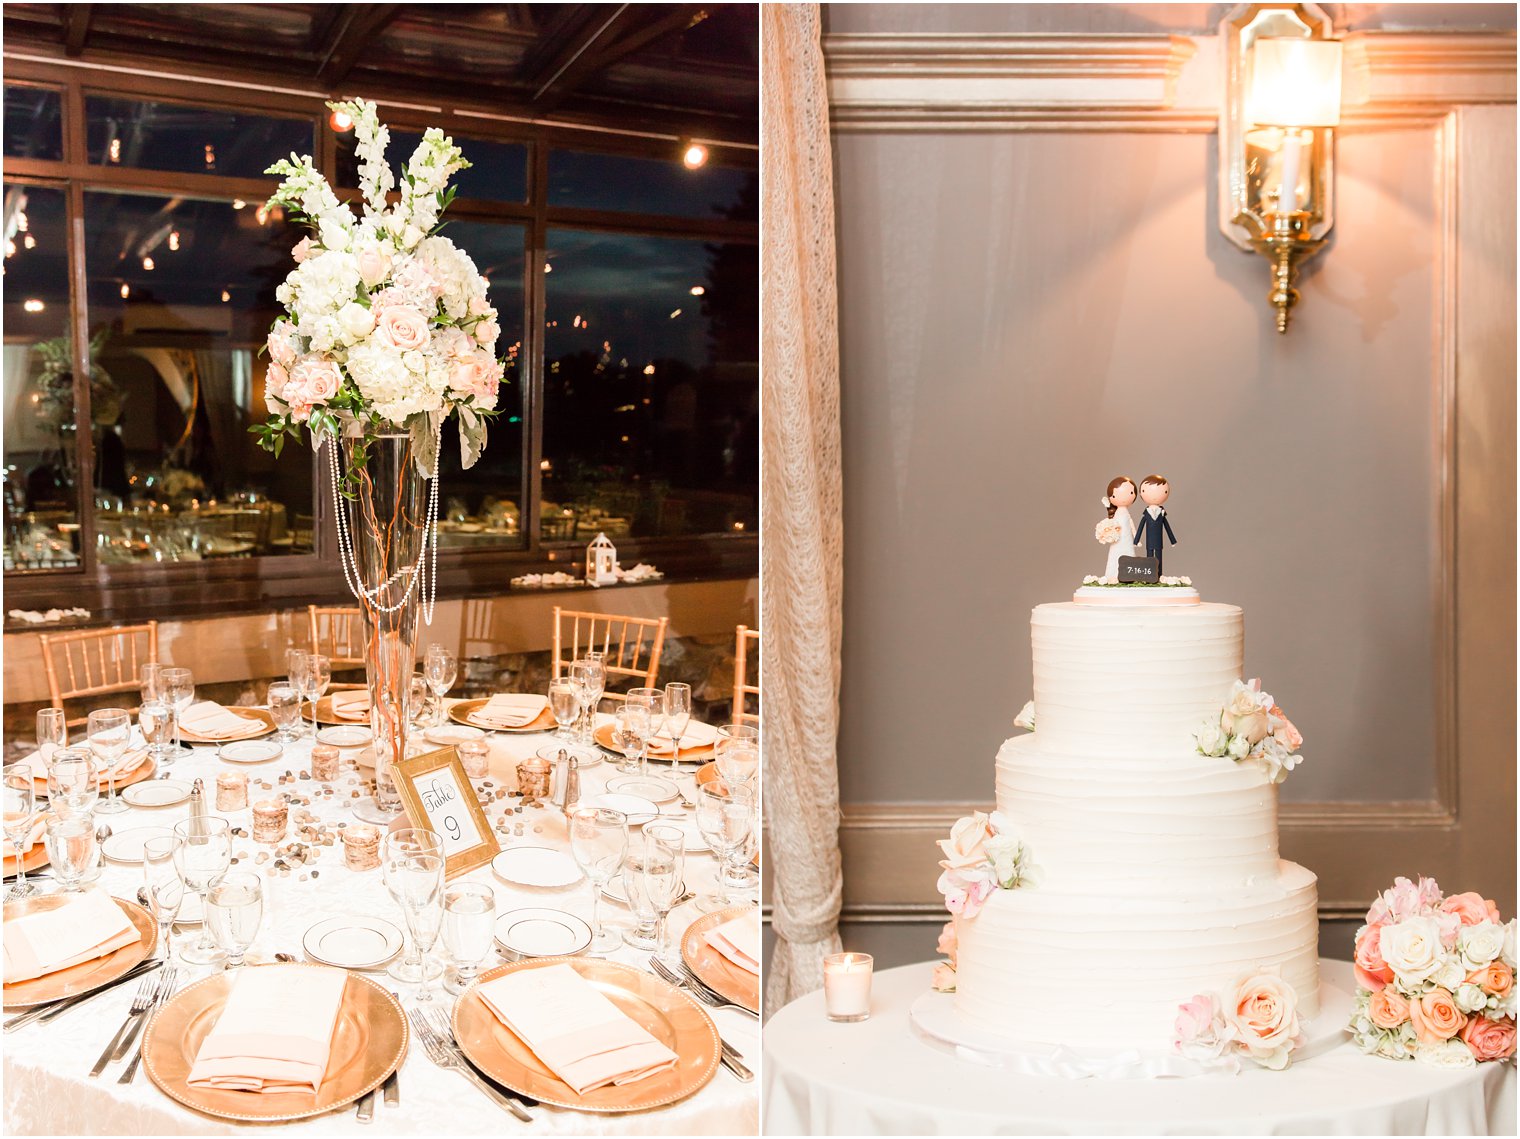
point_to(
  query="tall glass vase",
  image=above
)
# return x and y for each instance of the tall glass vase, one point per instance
(386, 523)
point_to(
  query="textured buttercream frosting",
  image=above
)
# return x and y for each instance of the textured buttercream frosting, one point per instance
(1158, 874)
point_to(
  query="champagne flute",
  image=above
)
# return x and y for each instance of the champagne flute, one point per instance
(597, 685)
(203, 855)
(677, 715)
(469, 926)
(110, 731)
(725, 814)
(737, 752)
(661, 887)
(646, 868)
(654, 700)
(295, 672)
(20, 816)
(315, 679)
(284, 701)
(441, 668)
(179, 687)
(162, 891)
(565, 704)
(415, 881)
(71, 850)
(52, 731)
(633, 731)
(395, 849)
(234, 908)
(598, 840)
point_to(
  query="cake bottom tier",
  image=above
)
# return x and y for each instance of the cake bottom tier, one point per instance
(1110, 972)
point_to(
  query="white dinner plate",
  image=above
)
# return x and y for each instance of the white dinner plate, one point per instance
(539, 932)
(156, 793)
(445, 734)
(352, 942)
(651, 787)
(191, 910)
(127, 846)
(616, 890)
(250, 751)
(536, 866)
(587, 756)
(639, 810)
(345, 735)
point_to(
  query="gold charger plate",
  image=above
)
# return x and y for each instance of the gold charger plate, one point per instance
(87, 975)
(143, 770)
(666, 1013)
(461, 711)
(34, 859)
(368, 1044)
(716, 971)
(604, 736)
(260, 715)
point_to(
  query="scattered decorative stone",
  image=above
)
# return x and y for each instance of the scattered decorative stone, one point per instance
(316, 873)
(262, 857)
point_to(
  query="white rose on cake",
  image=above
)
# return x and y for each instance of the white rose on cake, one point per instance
(1412, 949)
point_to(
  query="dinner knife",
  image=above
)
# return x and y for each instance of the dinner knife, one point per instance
(733, 1062)
(44, 1013)
(392, 1089)
(366, 1110)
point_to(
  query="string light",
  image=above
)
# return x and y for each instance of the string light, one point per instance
(210, 156)
(261, 215)
(226, 296)
(695, 156)
(33, 305)
(548, 268)
(238, 203)
(21, 223)
(697, 290)
(10, 247)
(675, 314)
(116, 150)
(341, 121)
(649, 369)
(126, 290)
(29, 241)
(148, 264)
(174, 240)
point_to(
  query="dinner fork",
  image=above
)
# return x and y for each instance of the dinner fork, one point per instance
(145, 990)
(731, 1057)
(167, 981)
(691, 983)
(445, 1056)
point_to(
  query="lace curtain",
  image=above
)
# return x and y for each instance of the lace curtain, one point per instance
(802, 554)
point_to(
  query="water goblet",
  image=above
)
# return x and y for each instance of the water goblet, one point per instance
(156, 720)
(725, 816)
(52, 730)
(662, 887)
(150, 682)
(737, 752)
(396, 849)
(654, 700)
(296, 661)
(580, 676)
(677, 714)
(564, 704)
(650, 873)
(632, 734)
(441, 668)
(110, 731)
(469, 926)
(598, 840)
(162, 891)
(179, 687)
(71, 850)
(234, 909)
(20, 814)
(284, 701)
(203, 855)
(73, 782)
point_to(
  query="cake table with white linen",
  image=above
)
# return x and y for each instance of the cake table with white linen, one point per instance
(876, 1077)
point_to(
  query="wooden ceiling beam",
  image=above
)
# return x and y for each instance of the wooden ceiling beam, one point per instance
(354, 31)
(76, 28)
(600, 44)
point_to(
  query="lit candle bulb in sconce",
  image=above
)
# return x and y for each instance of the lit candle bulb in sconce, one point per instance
(1295, 86)
(847, 986)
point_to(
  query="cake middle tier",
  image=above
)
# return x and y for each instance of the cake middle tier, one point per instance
(1154, 825)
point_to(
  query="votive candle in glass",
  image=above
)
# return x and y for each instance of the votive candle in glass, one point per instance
(269, 820)
(533, 779)
(324, 762)
(361, 847)
(231, 791)
(847, 986)
(475, 756)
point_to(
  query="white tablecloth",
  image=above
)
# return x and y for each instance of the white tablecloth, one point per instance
(47, 1091)
(876, 1077)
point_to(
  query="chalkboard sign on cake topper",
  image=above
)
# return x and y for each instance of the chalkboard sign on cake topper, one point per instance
(438, 796)
(1139, 569)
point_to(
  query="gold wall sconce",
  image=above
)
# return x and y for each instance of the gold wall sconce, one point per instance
(1277, 138)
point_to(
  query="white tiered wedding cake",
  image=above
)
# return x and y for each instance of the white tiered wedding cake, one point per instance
(1126, 871)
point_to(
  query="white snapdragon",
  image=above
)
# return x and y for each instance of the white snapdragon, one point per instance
(371, 137)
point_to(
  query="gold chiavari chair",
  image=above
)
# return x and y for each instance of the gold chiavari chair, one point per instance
(631, 646)
(745, 640)
(97, 662)
(337, 632)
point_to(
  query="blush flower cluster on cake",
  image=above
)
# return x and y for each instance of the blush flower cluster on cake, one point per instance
(1255, 1019)
(1252, 728)
(982, 854)
(388, 324)
(1435, 978)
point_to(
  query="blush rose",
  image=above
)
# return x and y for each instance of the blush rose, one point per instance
(1489, 1039)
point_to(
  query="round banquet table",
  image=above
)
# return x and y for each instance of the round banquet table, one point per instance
(876, 1077)
(47, 1091)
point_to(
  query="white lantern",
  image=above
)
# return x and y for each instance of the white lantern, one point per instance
(601, 561)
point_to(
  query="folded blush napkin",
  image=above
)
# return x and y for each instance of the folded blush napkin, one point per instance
(128, 763)
(509, 710)
(275, 1031)
(88, 926)
(580, 1035)
(351, 705)
(211, 721)
(697, 734)
(739, 941)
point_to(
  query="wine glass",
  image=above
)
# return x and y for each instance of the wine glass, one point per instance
(396, 848)
(179, 687)
(52, 730)
(416, 883)
(665, 846)
(162, 891)
(725, 816)
(737, 752)
(110, 731)
(295, 674)
(284, 701)
(314, 681)
(73, 782)
(633, 732)
(654, 700)
(71, 850)
(596, 686)
(441, 668)
(469, 925)
(565, 704)
(677, 714)
(234, 908)
(20, 815)
(150, 682)
(156, 720)
(580, 676)
(418, 703)
(203, 855)
(598, 839)
(650, 872)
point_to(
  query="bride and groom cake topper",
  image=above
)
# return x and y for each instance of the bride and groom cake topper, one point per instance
(1119, 531)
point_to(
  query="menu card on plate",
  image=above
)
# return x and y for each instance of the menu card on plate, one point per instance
(351, 705)
(697, 734)
(509, 710)
(738, 940)
(275, 1031)
(580, 1035)
(86, 927)
(211, 721)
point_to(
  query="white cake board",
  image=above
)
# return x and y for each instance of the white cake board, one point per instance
(1138, 596)
(937, 1023)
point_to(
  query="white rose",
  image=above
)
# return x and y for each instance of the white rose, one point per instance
(1210, 740)
(356, 321)
(1025, 718)
(1480, 944)
(1007, 855)
(1412, 949)
(1240, 747)
(1447, 1054)
(1507, 955)
(1450, 974)
(1469, 998)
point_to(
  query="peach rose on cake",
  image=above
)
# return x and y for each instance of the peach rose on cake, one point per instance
(402, 327)
(1387, 1009)
(966, 848)
(1263, 1016)
(1436, 1017)
(1489, 1039)
(1284, 731)
(949, 942)
(943, 980)
(1372, 972)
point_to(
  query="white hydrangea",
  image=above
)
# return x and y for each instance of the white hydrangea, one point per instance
(384, 379)
(320, 286)
(453, 273)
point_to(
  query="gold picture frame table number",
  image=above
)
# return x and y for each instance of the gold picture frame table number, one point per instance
(437, 795)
